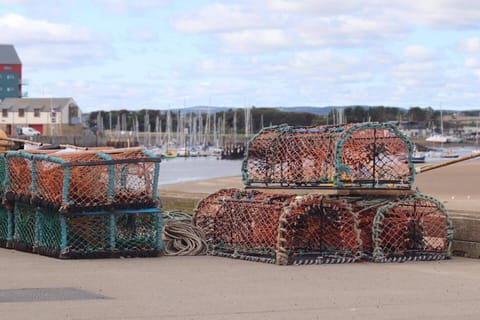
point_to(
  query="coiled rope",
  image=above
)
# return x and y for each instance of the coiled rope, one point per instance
(181, 237)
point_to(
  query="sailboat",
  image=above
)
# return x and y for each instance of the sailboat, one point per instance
(441, 138)
(168, 154)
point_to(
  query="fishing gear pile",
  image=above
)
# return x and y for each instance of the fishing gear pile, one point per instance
(82, 203)
(285, 217)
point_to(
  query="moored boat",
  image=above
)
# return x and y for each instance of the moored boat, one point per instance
(169, 155)
(449, 154)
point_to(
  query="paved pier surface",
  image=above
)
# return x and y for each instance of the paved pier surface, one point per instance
(37, 287)
(221, 288)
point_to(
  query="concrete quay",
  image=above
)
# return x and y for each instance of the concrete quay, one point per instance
(204, 287)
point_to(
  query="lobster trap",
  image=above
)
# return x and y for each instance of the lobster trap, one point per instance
(276, 228)
(315, 228)
(83, 181)
(367, 155)
(82, 204)
(412, 228)
(135, 233)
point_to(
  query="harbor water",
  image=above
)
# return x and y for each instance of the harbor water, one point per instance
(184, 169)
(197, 168)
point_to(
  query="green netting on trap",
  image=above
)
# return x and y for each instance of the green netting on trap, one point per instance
(49, 231)
(2, 173)
(87, 235)
(138, 234)
(24, 236)
(102, 234)
(412, 228)
(276, 228)
(5, 229)
(361, 155)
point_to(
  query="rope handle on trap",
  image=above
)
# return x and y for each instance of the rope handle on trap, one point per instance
(446, 163)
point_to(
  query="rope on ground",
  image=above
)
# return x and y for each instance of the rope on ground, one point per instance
(181, 237)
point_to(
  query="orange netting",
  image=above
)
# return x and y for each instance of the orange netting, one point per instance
(279, 228)
(84, 180)
(314, 228)
(367, 155)
(134, 183)
(18, 176)
(417, 226)
(87, 185)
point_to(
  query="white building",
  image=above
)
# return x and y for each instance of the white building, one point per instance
(50, 116)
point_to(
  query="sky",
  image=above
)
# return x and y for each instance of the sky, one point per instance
(160, 54)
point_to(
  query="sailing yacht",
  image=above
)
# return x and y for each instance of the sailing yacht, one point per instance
(437, 138)
(441, 138)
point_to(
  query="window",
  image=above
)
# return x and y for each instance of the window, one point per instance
(4, 113)
(36, 112)
(21, 113)
(10, 89)
(10, 77)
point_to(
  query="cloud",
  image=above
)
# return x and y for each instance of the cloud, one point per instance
(42, 43)
(444, 14)
(416, 72)
(251, 41)
(142, 35)
(308, 66)
(315, 7)
(311, 23)
(471, 45)
(128, 6)
(220, 17)
(15, 1)
(22, 30)
(441, 14)
(418, 53)
(472, 63)
(260, 28)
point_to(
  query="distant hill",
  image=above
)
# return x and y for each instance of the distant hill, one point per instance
(204, 109)
(308, 109)
(324, 111)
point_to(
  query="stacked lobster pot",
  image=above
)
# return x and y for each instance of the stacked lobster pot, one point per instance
(326, 194)
(83, 204)
(5, 215)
